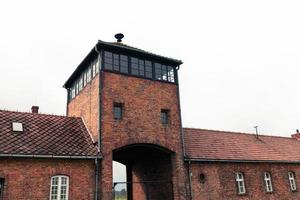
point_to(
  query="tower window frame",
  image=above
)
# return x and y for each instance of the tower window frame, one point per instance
(165, 116)
(138, 66)
(118, 110)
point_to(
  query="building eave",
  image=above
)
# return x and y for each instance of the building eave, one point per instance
(239, 160)
(50, 156)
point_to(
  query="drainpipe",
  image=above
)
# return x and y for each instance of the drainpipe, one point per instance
(97, 163)
(180, 118)
(96, 179)
(190, 179)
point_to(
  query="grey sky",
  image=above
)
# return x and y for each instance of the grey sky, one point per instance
(241, 58)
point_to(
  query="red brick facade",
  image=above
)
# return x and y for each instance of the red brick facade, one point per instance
(143, 101)
(220, 180)
(29, 179)
(86, 105)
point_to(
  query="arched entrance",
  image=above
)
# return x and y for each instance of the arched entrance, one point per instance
(148, 173)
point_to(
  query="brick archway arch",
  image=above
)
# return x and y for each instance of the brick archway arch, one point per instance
(148, 170)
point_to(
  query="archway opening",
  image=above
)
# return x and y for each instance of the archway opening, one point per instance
(148, 173)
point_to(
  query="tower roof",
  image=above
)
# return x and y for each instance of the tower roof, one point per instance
(120, 48)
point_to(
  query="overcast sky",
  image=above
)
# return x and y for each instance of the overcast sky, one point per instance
(241, 58)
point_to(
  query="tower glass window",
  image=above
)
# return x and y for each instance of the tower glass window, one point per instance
(108, 60)
(59, 188)
(138, 67)
(158, 71)
(118, 111)
(134, 66)
(116, 62)
(148, 69)
(164, 116)
(239, 178)
(123, 64)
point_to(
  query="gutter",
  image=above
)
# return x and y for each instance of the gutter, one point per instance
(47, 156)
(240, 161)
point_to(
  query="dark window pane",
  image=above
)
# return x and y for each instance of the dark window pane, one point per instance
(134, 60)
(148, 69)
(134, 66)
(118, 110)
(107, 54)
(124, 64)
(164, 116)
(108, 60)
(158, 72)
(116, 62)
(123, 57)
(141, 68)
(107, 66)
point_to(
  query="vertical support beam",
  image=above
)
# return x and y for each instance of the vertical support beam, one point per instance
(129, 181)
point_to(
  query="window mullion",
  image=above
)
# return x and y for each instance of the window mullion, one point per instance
(59, 188)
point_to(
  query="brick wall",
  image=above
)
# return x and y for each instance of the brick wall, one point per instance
(143, 100)
(29, 179)
(86, 105)
(220, 181)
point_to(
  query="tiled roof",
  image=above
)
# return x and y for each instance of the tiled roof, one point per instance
(47, 135)
(201, 144)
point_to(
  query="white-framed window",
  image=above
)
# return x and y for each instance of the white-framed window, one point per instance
(239, 178)
(59, 189)
(292, 181)
(268, 182)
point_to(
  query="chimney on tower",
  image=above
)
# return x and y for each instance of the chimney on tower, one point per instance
(296, 135)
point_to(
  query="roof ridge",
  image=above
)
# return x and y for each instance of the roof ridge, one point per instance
(44, 114)
(237, 132)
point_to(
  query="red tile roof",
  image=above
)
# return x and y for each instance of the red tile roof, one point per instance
(201, 144)
(44, 135)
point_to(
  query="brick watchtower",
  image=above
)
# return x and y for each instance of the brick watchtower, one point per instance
(129, 101)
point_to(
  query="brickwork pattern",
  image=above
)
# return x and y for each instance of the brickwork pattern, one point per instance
(29, 179)
(86, 105)
(143, 100)
(220, 181)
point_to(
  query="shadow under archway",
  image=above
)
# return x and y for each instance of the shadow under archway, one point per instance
(148, 171)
